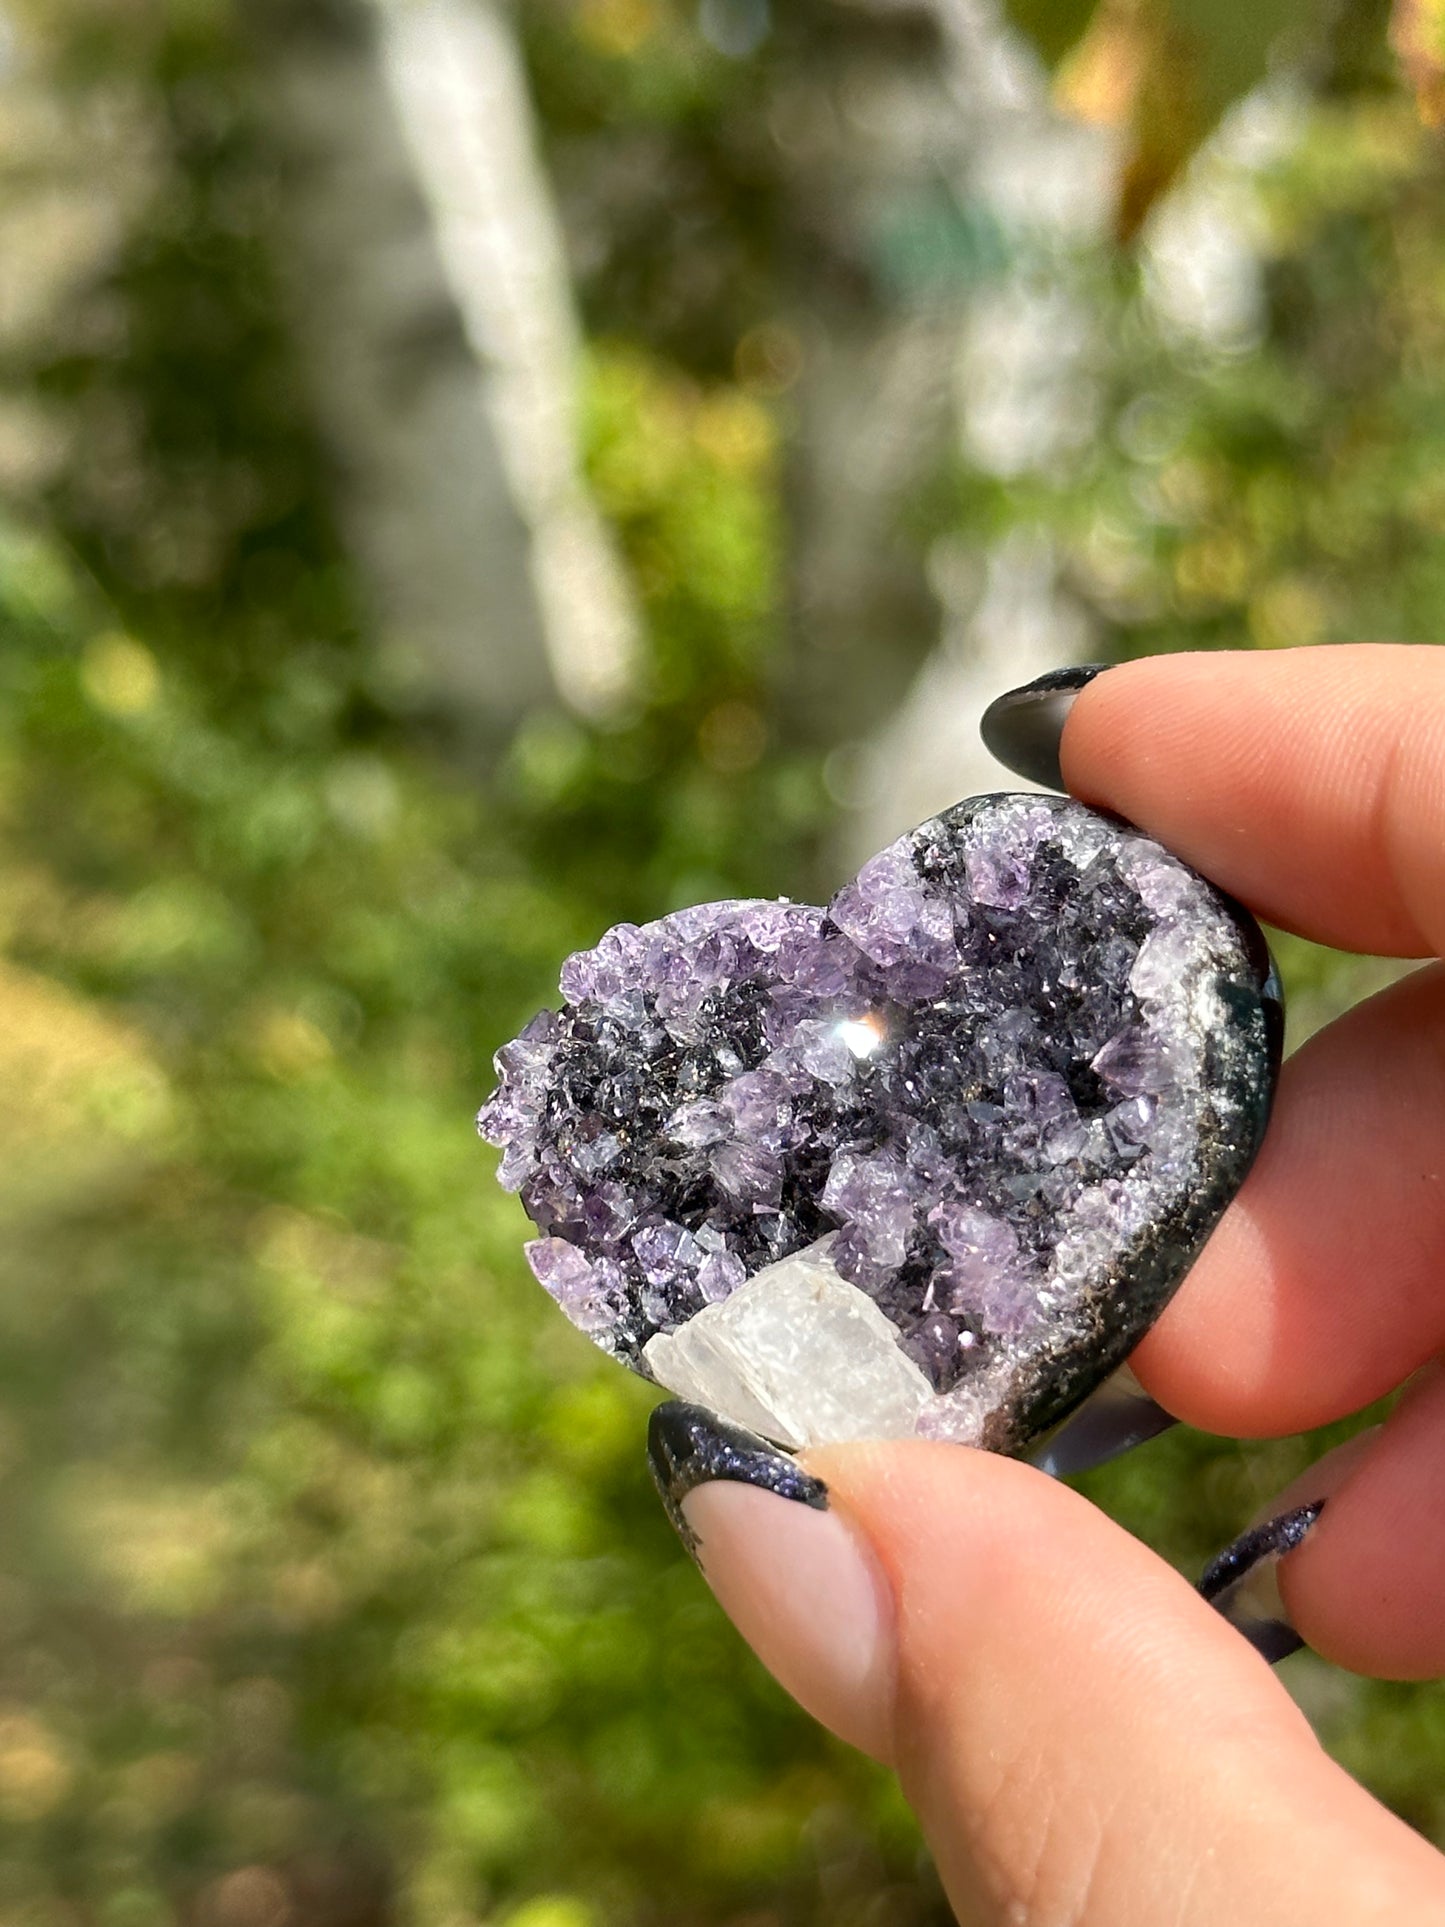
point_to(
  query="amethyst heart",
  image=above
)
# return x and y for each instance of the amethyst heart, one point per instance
(930, 1161)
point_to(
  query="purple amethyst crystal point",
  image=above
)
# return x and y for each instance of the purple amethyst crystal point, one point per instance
(928, 1162)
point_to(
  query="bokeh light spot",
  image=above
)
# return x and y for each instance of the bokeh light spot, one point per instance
(120, 675)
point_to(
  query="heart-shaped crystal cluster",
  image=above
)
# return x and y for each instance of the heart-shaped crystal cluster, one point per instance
(927, 1162)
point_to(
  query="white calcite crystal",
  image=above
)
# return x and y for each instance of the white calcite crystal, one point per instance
(797, 1354)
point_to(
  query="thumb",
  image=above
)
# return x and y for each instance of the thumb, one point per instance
(1085, 1741)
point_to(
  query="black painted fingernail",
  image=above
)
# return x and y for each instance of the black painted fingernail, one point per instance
(687, 1446)
(1242, 1581)
(1112, 1420)
(1022, 728)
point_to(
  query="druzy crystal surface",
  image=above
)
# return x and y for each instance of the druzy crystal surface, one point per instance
(928, 1161)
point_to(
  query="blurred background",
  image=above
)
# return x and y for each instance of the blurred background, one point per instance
(468, 475)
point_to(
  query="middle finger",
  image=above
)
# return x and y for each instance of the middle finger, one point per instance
(1324, 1284)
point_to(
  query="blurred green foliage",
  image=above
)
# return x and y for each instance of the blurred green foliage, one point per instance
(313, 1521)
(334, 1589)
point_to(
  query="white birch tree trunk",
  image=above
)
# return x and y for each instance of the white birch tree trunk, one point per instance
(1023, 402)
(432, 304)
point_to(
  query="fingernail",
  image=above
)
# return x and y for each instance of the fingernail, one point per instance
(1023, 728)
(793, 1575)
(1112, 1420)
(1242, 1582)
(689, 1446)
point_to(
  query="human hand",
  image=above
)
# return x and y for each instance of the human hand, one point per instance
(1085, 1740)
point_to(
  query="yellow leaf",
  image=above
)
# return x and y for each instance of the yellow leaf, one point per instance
(1164, 71)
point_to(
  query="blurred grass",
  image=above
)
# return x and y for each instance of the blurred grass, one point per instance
(328, 1558)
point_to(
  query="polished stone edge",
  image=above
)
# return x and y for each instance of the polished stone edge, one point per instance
(688, 1446)
(1024, 726)
(1112, 1420)
(1241, 1582)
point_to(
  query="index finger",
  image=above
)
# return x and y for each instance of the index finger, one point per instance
(1309, 783)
